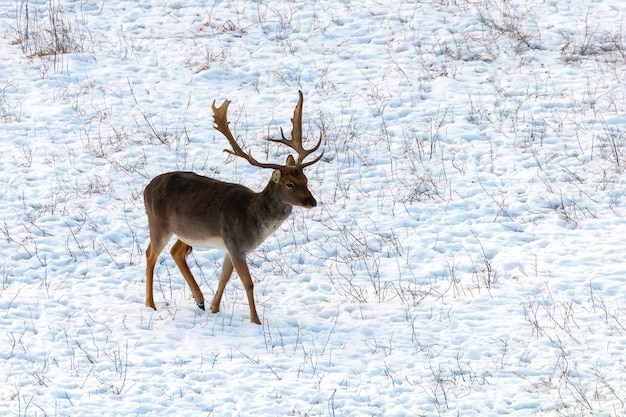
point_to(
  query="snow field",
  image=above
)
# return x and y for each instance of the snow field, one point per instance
(466, 257)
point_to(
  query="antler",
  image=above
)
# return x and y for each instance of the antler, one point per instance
(221, 124)
(295, 143)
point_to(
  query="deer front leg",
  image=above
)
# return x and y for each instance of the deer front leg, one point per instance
(244, 273)
(179, 252)
(227, 270)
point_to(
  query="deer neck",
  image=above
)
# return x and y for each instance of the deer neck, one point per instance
(270, 206)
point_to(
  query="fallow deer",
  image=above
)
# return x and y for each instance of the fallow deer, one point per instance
(205, 212)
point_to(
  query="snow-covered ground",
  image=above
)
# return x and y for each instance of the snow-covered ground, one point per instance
(467, 257)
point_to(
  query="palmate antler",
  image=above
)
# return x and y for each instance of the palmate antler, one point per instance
(295, 143)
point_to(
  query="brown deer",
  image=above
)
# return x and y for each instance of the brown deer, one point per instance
(205, 212)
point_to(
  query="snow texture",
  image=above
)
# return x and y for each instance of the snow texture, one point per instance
(467, 256)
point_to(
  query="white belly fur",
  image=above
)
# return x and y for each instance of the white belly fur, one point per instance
(214, 242)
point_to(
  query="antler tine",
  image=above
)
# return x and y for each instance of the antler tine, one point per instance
(295, 142)
(296, 130)
(221, 124)
(310, 151)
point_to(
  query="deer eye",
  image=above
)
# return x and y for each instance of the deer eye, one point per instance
(289, 184)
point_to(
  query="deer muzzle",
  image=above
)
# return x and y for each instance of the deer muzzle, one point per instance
(309, 203)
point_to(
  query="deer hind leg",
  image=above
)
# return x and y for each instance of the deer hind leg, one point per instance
(157, 243)
(227, 270)
(179, 252)
(244, 273)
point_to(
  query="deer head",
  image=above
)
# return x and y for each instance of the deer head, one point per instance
(289, 178)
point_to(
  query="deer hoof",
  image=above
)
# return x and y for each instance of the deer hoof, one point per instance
(201, 305)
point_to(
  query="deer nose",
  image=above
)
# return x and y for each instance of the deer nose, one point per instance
(309, 203)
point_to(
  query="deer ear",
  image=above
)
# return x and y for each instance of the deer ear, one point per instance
(276, 175)
(290, 161)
